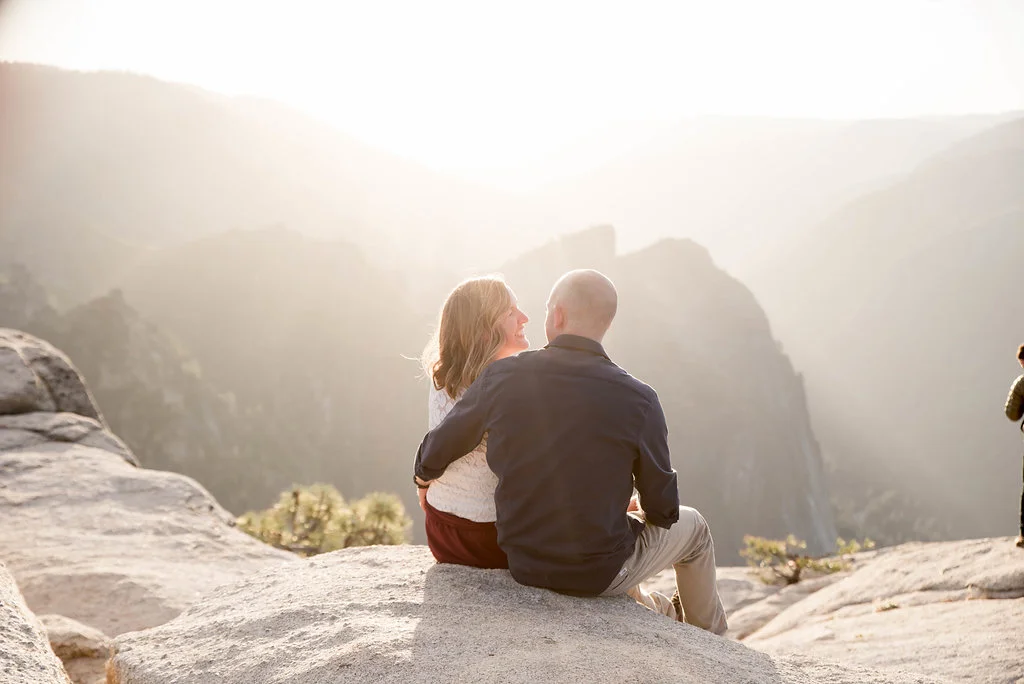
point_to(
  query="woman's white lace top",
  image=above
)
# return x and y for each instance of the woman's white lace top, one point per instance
(466, 488)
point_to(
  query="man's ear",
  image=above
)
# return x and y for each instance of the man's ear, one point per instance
(559, 317)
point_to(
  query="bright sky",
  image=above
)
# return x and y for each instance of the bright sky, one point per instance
(481, 87)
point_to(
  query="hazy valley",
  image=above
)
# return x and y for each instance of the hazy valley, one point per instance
(276, 277)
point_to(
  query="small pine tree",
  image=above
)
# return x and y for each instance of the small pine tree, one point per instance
(785, 559)
(317, 519)
(844, 547)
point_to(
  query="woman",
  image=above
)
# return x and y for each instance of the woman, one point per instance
(480, 323)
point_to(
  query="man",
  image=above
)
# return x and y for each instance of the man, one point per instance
(1015, 411)
(569, 435)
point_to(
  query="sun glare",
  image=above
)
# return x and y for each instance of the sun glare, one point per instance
(481, 88)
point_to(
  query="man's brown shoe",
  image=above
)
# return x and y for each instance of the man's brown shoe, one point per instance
(677, 604)
(1020, 541)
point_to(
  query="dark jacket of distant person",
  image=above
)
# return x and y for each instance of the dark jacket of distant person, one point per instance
(1015, 400)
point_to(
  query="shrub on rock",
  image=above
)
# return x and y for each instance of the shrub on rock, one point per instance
(317, 519)
(786, 559)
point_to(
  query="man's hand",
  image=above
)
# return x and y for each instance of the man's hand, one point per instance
(634, 505)
(421, 491)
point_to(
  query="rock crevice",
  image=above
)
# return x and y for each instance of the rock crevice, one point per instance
(25, 655)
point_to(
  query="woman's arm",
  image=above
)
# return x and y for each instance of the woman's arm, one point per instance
(458, 434)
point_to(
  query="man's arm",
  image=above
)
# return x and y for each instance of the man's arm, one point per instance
(1015, 401)
(653, 475)
(458, 434)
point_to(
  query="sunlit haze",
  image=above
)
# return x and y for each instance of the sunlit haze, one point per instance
(495, 91)
(241, 247)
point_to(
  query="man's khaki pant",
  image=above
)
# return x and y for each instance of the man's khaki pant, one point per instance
(687, 547)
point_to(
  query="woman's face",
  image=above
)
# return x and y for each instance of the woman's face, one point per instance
(512, 330)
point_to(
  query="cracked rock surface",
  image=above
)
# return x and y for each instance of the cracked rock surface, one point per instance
(953, 610)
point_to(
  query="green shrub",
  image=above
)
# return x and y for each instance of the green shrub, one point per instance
(785, 560)
(844, 547)
(317, 519)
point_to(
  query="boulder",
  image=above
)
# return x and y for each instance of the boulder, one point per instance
(953, 610)
(35, 376)
(87, 534)
(113, 546)
(84, 650)
(390, 613)
(43, 398)
(32, 429)
(25, 656)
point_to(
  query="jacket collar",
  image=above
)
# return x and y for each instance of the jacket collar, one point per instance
(577, 343)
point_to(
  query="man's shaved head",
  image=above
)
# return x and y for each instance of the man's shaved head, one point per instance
(581, 303)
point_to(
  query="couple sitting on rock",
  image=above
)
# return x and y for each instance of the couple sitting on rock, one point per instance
(532, 458)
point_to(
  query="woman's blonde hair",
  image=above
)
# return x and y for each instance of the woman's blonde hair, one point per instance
(468, 334)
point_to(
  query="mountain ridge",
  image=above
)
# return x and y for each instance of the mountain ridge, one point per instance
(912, 299)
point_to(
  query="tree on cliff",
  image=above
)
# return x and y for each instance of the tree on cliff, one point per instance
(785, 560)
(317, 519)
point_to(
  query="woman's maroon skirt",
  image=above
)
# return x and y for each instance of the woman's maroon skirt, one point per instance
(464, 542)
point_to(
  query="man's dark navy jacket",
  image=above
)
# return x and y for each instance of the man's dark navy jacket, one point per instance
(568, 435)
